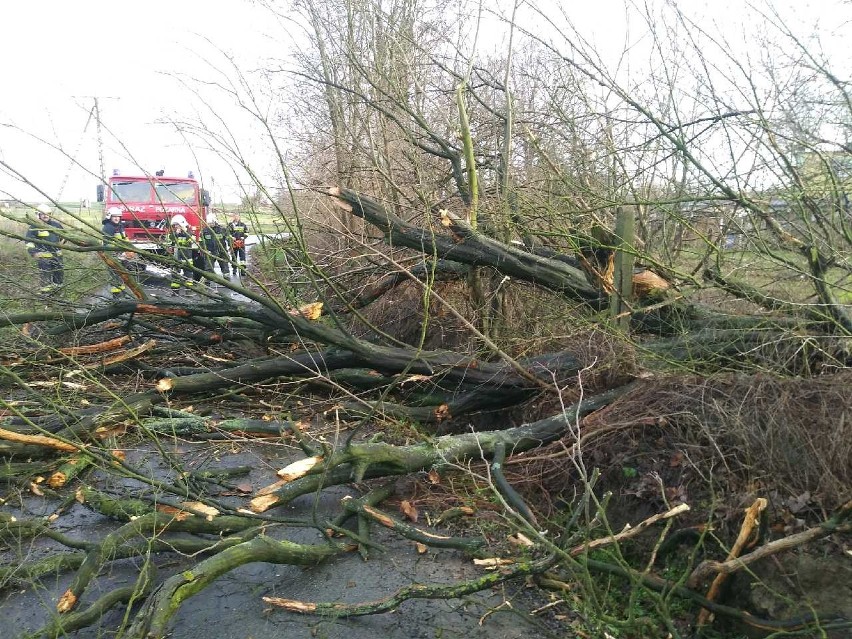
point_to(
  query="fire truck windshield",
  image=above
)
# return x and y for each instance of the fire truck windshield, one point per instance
(131, 191)
(176, 193)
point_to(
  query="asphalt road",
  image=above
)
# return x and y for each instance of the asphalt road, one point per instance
(232, 607)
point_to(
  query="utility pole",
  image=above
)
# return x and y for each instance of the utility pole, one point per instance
(96, 113)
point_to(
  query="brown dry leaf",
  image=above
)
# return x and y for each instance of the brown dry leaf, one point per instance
(35, 490)
(299, 468)
(422, 549)
(79, 496)
(53, 517)
(66, 602)
(493, 562)
(676, 494)
(120, 455)
(676, 460)
(244, 487)
(57, 479)
(408, 509)
(434, 477)
(165, 384)
(445, 217)
(442, 412)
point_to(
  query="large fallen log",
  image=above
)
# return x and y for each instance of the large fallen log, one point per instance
(468, 246)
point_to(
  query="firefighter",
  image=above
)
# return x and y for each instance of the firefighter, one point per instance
(238, 231)
(113, 232)
(216, 238)
(181, 245)
(41, 239)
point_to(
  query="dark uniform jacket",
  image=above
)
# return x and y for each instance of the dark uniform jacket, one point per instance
(215, 237)
(113, 231)
(238, 232)
(182, 243)
(37, 234)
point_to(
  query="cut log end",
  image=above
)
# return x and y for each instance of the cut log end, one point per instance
(298, 468)
(263, 503)
(648, 283)
(334, 191)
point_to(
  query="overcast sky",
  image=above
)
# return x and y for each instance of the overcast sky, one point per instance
(57, 55)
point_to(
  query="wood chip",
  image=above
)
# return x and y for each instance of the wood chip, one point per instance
(493, 562)
(299, 468)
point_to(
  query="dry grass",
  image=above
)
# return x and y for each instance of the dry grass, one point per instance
(726, 439)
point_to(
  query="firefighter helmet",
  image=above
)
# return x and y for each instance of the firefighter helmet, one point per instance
(114, 211)
(44, 209)
(179, 220)
(211, 218)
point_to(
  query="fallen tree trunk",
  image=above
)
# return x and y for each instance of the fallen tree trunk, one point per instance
(470, 247)
(471, 377)
(356, 462)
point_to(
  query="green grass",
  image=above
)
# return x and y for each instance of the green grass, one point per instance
(19, 278)
(85, 271)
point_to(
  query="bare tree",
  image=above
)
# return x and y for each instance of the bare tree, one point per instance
(454, 250)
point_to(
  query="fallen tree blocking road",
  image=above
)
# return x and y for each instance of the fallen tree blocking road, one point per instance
(213, 369)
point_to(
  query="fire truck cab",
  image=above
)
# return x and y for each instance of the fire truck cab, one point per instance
(147, 204)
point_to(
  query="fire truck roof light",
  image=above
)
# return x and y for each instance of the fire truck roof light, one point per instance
(191, 175)
(115, 172)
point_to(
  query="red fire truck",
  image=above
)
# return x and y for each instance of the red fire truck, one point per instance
(148, 203)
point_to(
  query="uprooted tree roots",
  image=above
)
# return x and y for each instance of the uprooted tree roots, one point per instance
(136, 365)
